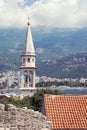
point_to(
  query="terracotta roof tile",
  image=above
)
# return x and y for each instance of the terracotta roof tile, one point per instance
(66, 111)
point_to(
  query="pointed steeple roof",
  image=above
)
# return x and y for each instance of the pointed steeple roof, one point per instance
(29, 46)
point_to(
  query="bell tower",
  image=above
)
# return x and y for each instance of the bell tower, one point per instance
(27, 84)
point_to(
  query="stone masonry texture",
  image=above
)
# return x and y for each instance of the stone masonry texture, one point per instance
(13, 118)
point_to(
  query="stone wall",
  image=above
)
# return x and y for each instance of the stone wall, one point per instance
(13, 118)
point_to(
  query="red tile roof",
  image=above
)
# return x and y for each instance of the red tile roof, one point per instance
(66, 111)
(3, 96)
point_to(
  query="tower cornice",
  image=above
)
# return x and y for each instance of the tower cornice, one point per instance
(29, 68)
(23, 55)
(28, 54)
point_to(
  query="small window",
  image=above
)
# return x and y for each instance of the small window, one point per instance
(28, 59)
(23, 60)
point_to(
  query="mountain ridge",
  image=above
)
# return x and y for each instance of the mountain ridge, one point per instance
(72, 66)
(49, 44)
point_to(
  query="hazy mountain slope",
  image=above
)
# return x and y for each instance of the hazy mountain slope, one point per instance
(73, 66)
(49, 44)
(63, 41)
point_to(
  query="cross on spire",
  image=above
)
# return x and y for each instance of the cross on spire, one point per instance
(28, 21)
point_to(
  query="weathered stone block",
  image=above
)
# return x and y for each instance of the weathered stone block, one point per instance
(22, 119)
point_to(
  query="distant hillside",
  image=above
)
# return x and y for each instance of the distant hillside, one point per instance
(50, 44)
(73, 66)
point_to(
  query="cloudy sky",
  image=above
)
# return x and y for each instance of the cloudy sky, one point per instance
(53, 13)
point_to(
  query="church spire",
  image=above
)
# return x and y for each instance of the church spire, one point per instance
(27, 81)
(29, 46)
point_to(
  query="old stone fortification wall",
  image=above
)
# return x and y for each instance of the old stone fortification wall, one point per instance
(13, 118)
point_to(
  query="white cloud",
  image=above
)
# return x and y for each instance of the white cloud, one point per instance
(53, 13)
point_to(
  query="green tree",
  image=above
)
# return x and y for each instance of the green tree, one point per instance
(34, 102)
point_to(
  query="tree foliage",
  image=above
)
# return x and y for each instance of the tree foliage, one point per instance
(61, 83)
(34, 102)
